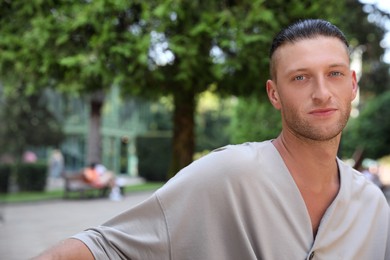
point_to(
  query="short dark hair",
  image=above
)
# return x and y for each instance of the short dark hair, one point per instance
(305, 29)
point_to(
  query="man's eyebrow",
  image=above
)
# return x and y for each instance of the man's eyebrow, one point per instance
(295, 70)
(303, 69)
(345, 65)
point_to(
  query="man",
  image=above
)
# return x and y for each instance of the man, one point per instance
(288, 198)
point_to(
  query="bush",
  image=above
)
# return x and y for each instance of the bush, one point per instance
(254, 120)
(5, 175)
(370, 130)
(154, 157)
(31, 176)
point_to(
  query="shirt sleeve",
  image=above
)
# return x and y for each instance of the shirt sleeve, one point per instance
(138, 233)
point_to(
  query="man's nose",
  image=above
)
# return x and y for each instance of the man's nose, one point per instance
(320, 90)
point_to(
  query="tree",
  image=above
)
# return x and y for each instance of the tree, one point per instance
(365, 29)
(71, 46)
(370, 131)
(212, 118)
(254, 120)
(26, 122)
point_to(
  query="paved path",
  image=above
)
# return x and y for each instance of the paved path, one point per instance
(29, 228)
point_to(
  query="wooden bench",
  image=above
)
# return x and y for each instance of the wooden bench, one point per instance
(74, 182)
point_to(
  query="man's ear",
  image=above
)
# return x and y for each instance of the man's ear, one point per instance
(273, 95)
(355, 85)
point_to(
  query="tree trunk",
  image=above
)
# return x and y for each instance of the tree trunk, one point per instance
(183, 145)
(94, 150)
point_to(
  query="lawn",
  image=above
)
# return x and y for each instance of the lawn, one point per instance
(58, 194)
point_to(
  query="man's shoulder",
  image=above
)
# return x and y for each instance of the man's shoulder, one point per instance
(243, 149)
(231, 160)
(357, 184)
(216, 171)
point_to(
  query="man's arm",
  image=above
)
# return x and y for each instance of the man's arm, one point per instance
(68, 249)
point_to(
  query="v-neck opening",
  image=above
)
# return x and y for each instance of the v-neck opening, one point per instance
(301, 199)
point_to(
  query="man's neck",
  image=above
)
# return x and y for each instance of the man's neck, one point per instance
(310, 162)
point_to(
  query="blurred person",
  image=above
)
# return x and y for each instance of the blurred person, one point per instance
(98, 176)
(286, 198)
(56, 164)
(371, 172)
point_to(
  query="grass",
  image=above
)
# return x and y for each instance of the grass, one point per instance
(58, 194)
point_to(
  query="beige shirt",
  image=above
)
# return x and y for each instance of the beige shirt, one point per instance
(240, 202)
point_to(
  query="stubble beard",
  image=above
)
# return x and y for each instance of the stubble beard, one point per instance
(304, 129)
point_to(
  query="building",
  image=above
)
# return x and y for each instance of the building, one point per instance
(123, 119)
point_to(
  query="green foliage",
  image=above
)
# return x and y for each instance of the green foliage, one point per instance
(254, 120)
(367, 35)
(5, 175)
(371, 129)
(71, 45)
(212, 120)
(26, 122)
(31, 176)
(154, 155)
(160, 115)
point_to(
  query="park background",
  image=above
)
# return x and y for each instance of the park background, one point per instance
(146, 87)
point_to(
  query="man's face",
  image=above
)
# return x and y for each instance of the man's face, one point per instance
(313, 87)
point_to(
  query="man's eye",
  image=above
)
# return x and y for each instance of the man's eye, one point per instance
(300, 77)
(336, 74)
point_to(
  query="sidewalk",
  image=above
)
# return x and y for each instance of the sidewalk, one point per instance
(29, 228)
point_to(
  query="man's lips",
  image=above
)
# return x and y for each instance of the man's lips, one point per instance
(323, 111)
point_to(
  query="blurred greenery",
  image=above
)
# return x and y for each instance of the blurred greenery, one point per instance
(254, 120)
(175, 49)
(5, 175)
(26, 122)
(31, 176)
(370, 131)
(212, 120)
(154, 156)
